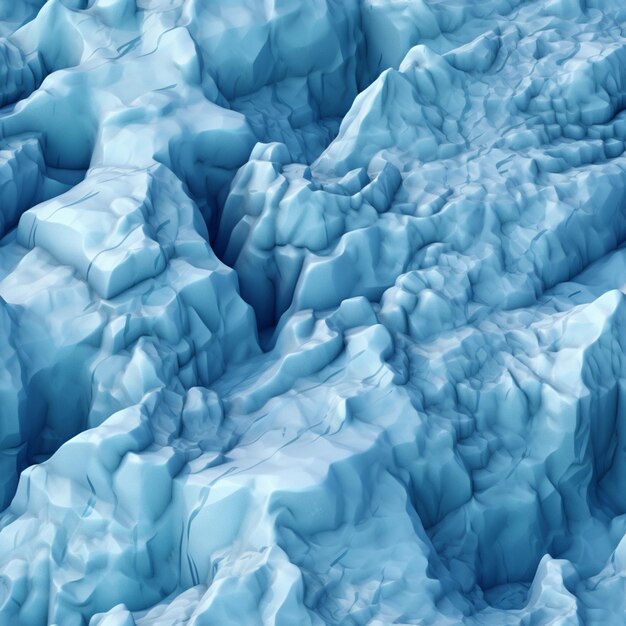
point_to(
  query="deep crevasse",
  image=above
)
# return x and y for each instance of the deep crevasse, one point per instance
(312, 312)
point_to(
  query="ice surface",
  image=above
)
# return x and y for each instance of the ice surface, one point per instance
(312, 312)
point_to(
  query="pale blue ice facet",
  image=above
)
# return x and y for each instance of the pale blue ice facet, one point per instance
(312, 312)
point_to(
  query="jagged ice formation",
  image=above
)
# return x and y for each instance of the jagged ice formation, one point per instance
(312, 312)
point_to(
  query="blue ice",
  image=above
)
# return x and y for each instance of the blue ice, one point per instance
(312, 312)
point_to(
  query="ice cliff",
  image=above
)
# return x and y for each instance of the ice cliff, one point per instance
(312, 312)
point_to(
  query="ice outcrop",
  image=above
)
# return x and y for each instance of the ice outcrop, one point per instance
(312, 312)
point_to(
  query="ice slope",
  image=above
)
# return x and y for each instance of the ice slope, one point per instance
(312, 312)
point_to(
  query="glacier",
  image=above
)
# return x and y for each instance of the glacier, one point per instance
(312, 312)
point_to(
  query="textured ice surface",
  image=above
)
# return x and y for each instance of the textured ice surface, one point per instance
(312, 312)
